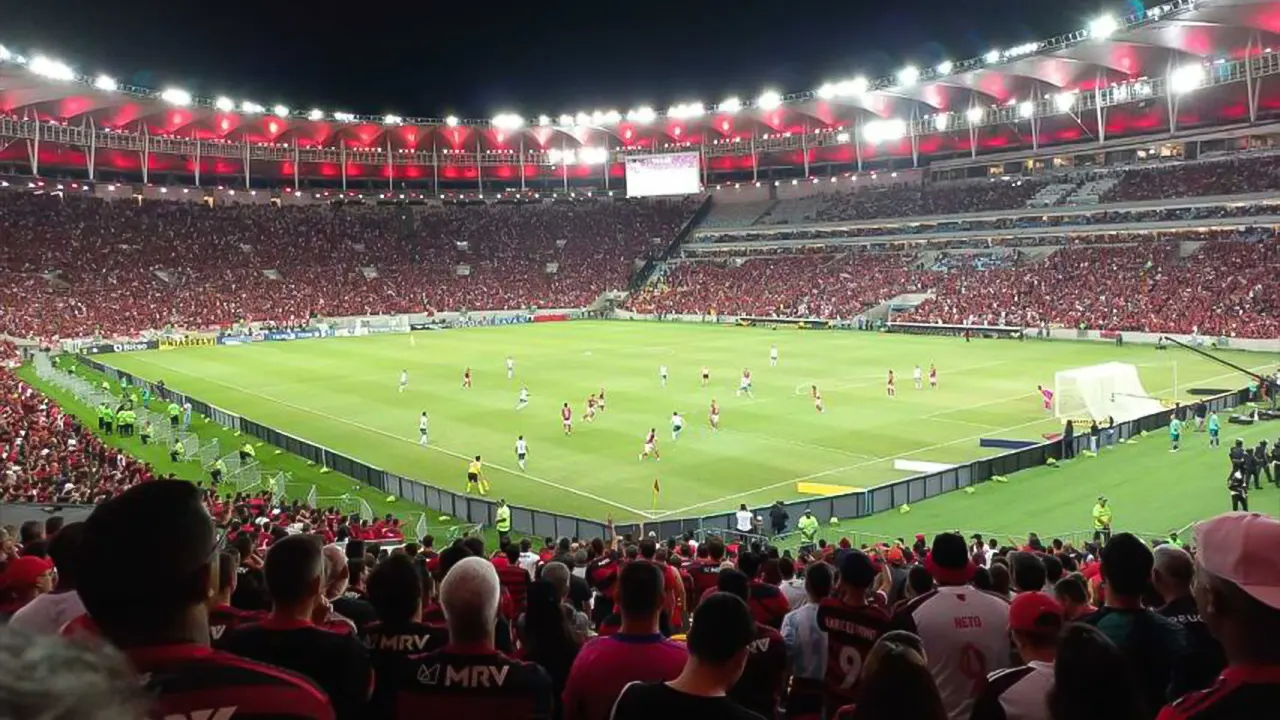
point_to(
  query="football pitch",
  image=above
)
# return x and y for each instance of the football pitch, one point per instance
(342, 393)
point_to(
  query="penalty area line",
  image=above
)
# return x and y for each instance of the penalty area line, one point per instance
(393, 436)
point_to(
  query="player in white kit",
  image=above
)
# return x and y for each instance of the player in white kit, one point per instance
(522, 451)
(706, 376)
(744, 385)
(511, 367)
(422, 428)
(677, 424)
(662, 373)
(917, 375)
(773, 356)
(817, 398)
(404, 380)
(523, 400)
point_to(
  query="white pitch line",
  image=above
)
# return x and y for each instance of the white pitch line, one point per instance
(460, 456)
(935, 418)
(989, 403)
(833, 471)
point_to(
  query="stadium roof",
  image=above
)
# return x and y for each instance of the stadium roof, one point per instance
(1176, 43)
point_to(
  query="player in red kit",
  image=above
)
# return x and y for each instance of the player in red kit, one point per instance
(466, 379)
(651, 445)
(889, 387)
(933, 376)
(566, 419)
(714, 416)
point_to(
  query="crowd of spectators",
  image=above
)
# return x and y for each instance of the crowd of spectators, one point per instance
(905, 201)
(1217, 283)
(292, 626)
(1217, 177)
(75, 266)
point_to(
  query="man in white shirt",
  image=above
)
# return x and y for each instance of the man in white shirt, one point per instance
(47, 613)
(744, 519)
(963, 629)
(528, 558)
(807, 644)
(1035, 621)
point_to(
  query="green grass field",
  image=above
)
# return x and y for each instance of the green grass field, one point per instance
(341, 393)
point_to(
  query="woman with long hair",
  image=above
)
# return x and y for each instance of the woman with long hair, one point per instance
(896, 683)
(1092, 679)
(546, 637)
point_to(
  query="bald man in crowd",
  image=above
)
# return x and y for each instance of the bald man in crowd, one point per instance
(1172, 575)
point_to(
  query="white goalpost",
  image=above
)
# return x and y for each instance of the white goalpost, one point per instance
(1100, 391)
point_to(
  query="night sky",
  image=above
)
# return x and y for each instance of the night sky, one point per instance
(475, 59)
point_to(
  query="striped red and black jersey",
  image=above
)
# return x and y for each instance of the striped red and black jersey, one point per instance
(467, 682)
(602, 575)
(224, 618)
(190, 681)
(337, 662)
(515, 580)
(852, 630)
(706, 576)
(1242, 691)
(768, 604)
(391, 647)
(1018, 693)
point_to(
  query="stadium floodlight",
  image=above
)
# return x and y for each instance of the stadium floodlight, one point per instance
(908, 76)
(974, 115)
(556, 156)
(1026, 109)
(945, 67)
(344, 116)
(1065, 100)
(768, 100)
(592, 155)
(612, 117)
(842, 137)
(508, 121)
(566, 120)
(685, 111)
(852, 88)
(393, 120)
(1023, 49)
(280, 111)
(315, 115)
(250, 108)
(941, 122)
(543, 121)
(176, 96)
(106, 83)
(1103, 27)
(827, 91)
(879, 131)
(225, 104)
(992, 57)
(643, 115)
(451, 121)
(730, 105)
(582, 119)
(1186, 78)
(52, 69)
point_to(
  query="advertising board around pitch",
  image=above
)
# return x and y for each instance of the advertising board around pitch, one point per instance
(668, 174)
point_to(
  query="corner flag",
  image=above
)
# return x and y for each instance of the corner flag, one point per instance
(657, 489)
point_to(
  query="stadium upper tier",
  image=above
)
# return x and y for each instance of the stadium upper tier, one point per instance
(804, 204)
(1168, 69)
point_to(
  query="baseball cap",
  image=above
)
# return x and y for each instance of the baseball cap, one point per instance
(1240, 548)
(856, 568)
(894, 556)
(23, 572)
(1035, 612)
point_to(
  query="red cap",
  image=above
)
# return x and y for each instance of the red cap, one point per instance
(1240, 548)
(23, 572)
(894, 556)
(920, 537)
(1035, 612)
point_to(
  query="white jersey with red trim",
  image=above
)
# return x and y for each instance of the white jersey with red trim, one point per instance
(965, 632)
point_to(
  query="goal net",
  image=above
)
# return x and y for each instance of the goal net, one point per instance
(1100, 391)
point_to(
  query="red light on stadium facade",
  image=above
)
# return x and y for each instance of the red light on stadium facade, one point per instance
(273, 127)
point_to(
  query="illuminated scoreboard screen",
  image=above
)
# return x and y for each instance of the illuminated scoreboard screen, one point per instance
(672, 174)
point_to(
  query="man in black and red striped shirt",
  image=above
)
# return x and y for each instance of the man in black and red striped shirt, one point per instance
(222, 616)
(396, 588)
(513, 578)
(768, 604)
(298, 634)
(160, 619)
(469, 678)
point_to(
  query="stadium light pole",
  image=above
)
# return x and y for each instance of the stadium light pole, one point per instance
(391, 166)
(914, 136)
(804, 146)
(564, 165)
(33, 149)
(342, 161)
(1099, 111)
(479, 167)
(857, 139)
(521, 163)
(193, 135)
(146, 153)
(1252, 85)
(93, 146)
(297, 160)
(247, 178)
(755, 159)
(435, 165)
